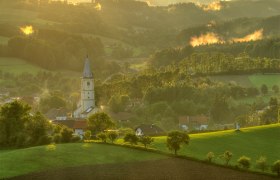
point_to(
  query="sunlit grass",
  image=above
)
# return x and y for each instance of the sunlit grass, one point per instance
(24, 161)
(252, 142)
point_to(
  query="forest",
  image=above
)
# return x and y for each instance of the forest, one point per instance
(177, 64)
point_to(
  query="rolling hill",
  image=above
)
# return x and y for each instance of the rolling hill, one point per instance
(252, 142)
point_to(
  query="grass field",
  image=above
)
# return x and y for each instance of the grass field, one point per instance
(24, 161)
(17, 66)
(255, 80)
(252, 142)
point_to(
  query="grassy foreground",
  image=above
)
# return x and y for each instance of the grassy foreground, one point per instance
(252, 142)
(24, 161)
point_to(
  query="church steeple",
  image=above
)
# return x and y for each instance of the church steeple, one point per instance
(87, 70)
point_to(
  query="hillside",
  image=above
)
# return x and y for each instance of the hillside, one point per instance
(252, 142)
(67, 155)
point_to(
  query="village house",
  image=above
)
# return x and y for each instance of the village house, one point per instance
(199, 122)
(148, 130)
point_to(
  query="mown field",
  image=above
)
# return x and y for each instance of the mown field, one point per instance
(251, 142)
(24, 161)
(255, 80)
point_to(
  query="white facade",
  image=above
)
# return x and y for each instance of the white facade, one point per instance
(86, 105)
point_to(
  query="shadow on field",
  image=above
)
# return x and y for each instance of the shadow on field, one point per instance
(172, 168)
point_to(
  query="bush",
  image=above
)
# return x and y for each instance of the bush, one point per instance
(57, 138)
(244, 162)
(75, 138)
(276, 167)
(261, 163)
(131, 138)
(102, 136)
(87, 135)
(210, 156)
(112, 136)
(66, 135)
(227, 157)
(146, 140)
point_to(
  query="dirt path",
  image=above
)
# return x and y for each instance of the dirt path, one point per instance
(160, 169)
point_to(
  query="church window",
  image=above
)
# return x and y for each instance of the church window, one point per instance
(88, 83)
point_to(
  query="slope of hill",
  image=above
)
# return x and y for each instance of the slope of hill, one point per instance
(23, 161)
(252, 142)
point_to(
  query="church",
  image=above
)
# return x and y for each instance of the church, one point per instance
(86, 106)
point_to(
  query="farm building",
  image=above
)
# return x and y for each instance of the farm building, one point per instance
(148, 130)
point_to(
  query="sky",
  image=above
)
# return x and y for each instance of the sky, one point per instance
(159, 2)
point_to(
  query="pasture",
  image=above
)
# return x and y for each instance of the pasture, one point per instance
(252, 142)
(35, 159)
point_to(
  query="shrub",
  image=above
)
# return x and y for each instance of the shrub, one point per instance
(102, 136)
(244, 162)
(75, 138)
(131, 138)
(112, 136)
(51, 147)
(210, 156)
(146, 140)
(227, 156)
(66, 135)
(87, 135)
(261, 163)
(56, 138)
(276, 167)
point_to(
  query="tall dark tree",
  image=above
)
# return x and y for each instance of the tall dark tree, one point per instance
(99, 122)
(13, 117)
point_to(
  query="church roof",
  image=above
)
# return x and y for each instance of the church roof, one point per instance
(87, 70)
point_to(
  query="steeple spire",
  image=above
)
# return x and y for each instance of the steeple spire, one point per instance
(87, 70)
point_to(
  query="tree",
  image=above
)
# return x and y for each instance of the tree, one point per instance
(244, 162)
(146, 140)
(220, 110)
(37, 129)
(276, 167)
(262, 163)
(210, 156)
(264, 89)
(112, 136)
(131, 138)
(102, 136)
(227, 157)
(175, 139)
(66, 134)
(99, 122)
(87, 135)
(275, 88)
(13, 117)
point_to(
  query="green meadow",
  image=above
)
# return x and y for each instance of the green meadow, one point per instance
(255, 80)
(251, 142)
(17, 66)
(35, 159)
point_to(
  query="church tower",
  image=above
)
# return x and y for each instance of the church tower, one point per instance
(87, 89)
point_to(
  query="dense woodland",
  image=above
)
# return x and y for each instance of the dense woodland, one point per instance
(175, 81)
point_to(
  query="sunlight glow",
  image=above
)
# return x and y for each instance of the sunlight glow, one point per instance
(208, 38)
(257, 35)
(98, 7)
(214, 6)
(27, 30)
